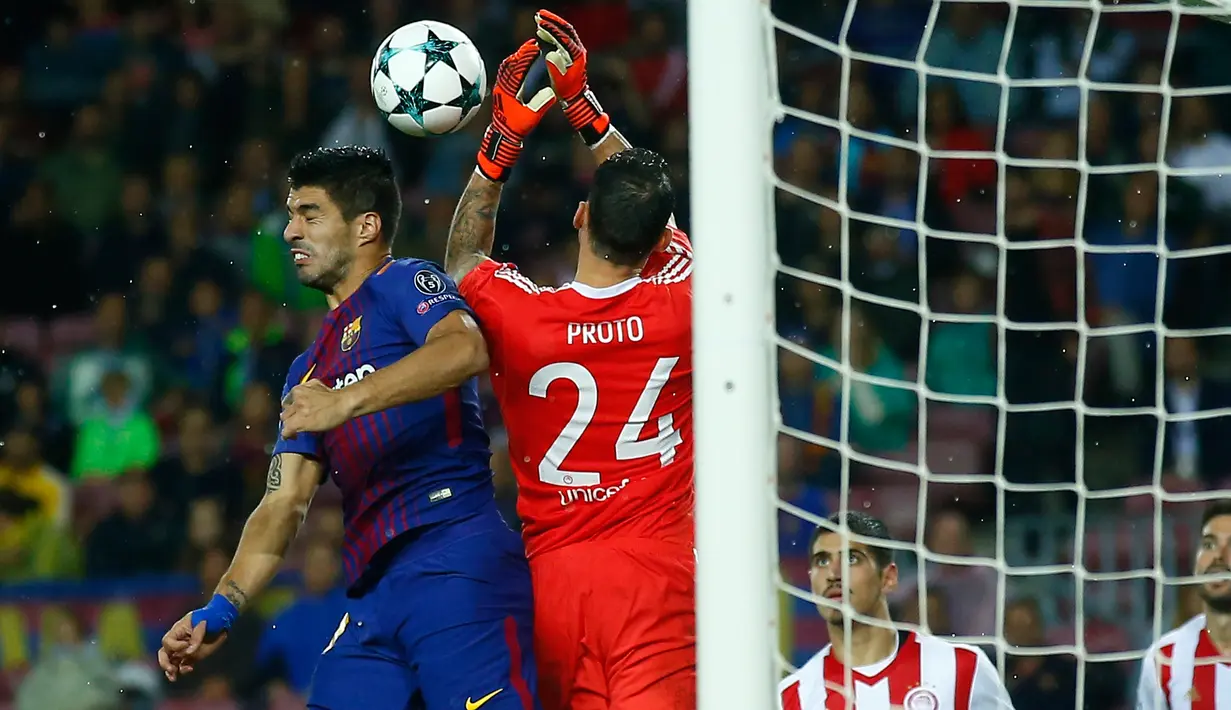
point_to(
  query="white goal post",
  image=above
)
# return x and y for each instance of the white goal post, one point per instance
(735, 397)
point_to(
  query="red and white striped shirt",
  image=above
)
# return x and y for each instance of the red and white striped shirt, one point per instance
(1184, 670)
(922, 673)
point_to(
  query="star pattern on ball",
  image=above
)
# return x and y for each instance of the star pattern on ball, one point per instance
(385, 55)
(413, 102)
(471, 96)
(436, 50)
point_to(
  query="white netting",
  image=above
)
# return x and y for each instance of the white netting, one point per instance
(969, 209)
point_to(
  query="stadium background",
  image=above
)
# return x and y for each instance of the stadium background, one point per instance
(150, 309)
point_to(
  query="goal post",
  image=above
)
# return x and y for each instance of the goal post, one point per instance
(733, 377)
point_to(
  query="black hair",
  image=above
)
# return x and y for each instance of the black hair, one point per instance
(631, 201)
(357, 178)
(863, 525)
(1215, 509)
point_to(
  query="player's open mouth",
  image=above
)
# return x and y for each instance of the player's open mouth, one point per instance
(300, 256)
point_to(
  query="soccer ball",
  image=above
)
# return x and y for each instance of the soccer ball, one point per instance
(428, 79)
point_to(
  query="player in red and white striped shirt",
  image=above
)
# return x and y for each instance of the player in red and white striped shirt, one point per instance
(879, 668)
(1189, 668)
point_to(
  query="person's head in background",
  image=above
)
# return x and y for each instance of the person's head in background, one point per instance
(861, 573)
(1023, 623)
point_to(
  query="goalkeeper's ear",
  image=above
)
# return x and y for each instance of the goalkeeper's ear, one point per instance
(664, 240)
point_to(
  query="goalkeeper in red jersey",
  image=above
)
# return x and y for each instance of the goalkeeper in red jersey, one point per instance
(594, 382)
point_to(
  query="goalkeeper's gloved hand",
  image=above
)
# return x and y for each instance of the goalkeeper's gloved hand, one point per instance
(566, 65)
(512, 119)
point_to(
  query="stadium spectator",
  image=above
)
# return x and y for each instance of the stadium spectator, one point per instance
(962, 355)
(137, 538)
(119, 436)
(77, 382)
(70, 672)
(1035, 681)
(881, 416)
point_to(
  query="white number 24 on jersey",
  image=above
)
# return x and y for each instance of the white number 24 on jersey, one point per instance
(629, 445)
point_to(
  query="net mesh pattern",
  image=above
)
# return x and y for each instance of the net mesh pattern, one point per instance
(1002, 320)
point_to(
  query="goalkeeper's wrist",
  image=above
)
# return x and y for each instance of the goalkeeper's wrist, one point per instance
(219, 614)
(498, 153)
(587, 118)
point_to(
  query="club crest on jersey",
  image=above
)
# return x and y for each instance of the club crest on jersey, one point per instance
(921, 699)
(429, 284)
(350, 334)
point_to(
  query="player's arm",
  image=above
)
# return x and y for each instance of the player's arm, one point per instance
(453, 352)
(473, 230)
(987, 691)
(1149, 691)
(567, 62)
(290, 485)
(474, 221)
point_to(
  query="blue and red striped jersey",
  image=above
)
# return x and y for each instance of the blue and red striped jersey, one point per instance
(405, 467)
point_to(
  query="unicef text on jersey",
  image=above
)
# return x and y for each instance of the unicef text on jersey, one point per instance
(595, 494)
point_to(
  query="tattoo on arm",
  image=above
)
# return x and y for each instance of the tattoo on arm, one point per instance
(474, 227)
(273, 480)
(235, 595)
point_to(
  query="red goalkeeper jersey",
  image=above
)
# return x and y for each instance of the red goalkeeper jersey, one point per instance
(595, 387)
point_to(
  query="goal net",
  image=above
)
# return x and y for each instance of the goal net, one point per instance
(1001, 313)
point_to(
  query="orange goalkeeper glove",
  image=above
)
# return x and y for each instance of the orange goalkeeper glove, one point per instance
(512, 119)
(566, 65)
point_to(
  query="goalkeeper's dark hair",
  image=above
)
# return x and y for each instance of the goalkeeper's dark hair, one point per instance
(358, 179)
(863, 525)
(631, 200)
(1215, 509)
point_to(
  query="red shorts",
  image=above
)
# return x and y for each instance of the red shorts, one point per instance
(615, 626)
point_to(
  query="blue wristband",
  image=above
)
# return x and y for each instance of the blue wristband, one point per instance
(218, 615)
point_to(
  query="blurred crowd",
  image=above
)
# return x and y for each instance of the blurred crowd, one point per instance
(142, 149)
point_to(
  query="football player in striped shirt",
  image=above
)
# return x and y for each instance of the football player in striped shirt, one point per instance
(1189, 668)
(878, 667)
(439, 610)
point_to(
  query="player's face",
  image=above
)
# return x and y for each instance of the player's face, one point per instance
(866, 585)
(323, 243)
(1214, 557)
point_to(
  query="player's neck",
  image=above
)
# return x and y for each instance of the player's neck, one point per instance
(363, 268)
(1219, 627)
(867, 644)
(596, 272)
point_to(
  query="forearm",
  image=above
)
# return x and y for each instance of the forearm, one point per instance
(473, 230)
(612, 143)
(268, 533)
(442, 364)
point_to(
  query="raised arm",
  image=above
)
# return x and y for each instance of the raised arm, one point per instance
(474, 222)
(473, 230)
(567, 62)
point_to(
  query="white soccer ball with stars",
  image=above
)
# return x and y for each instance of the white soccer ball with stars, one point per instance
(428, 79)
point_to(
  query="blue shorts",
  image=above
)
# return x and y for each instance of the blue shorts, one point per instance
(447, 626)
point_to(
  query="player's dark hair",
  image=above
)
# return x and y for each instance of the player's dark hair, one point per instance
(1215, 509)
(357, 178)
(631, 200)
(863, 525)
